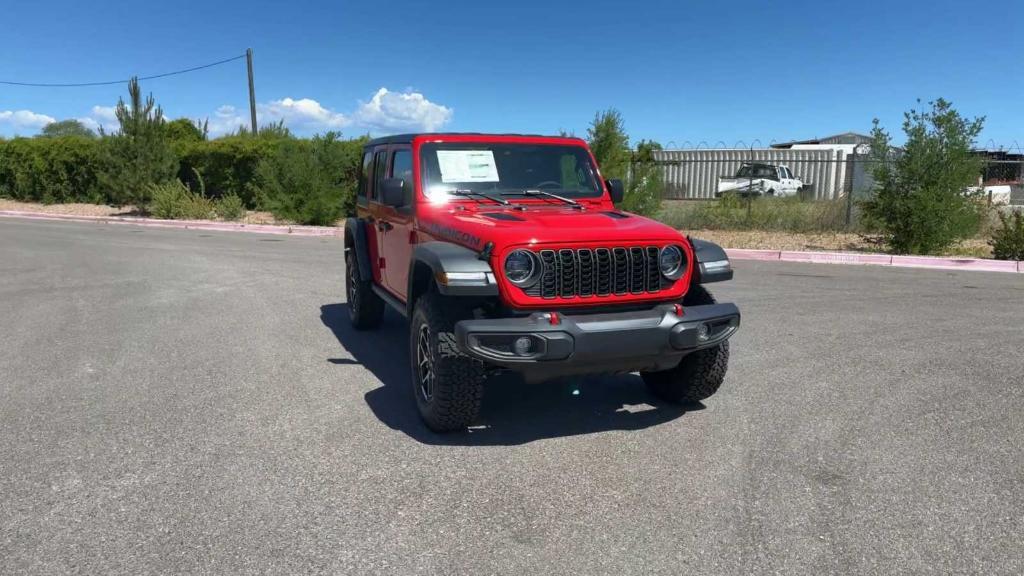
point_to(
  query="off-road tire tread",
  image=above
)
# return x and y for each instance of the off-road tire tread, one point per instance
(458, 380)
(369, 312)
(699, 374)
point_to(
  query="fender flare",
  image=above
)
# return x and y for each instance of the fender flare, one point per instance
(712, 263)
(455, 270)
(356, 229)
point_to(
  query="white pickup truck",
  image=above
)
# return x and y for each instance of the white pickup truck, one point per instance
(761, 179)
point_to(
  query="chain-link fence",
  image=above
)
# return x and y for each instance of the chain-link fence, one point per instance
(810, 174)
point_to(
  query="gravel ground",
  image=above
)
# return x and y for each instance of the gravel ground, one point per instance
(251, 216)
(176, 401)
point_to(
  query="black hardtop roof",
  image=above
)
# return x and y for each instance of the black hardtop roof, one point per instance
(407, 138)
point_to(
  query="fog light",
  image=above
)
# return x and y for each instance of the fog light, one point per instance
(522, 345)
(702, 332)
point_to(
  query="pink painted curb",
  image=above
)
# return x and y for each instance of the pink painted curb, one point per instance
(183, 224)
(972, 264)
(750, 254)
(835, 258)
(956, 263)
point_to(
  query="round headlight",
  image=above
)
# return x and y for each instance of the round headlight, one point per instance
(671, 262)
(521, 268)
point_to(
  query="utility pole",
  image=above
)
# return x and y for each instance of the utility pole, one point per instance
(252, 92)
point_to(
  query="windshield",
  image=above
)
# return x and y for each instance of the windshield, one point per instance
(756, 171)
(498, 168)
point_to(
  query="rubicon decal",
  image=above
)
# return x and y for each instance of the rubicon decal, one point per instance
(449, 233)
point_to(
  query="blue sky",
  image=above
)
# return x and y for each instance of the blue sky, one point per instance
(680, 72)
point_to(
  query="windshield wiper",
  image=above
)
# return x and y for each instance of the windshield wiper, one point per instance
(460, 192)
(547, 194)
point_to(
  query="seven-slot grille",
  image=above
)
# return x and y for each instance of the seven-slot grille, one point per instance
(583, 272)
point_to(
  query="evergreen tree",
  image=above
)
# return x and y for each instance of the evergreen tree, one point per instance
(139, 155)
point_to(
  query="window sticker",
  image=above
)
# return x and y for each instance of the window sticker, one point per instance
(467, 166)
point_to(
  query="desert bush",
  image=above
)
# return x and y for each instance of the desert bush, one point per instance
(1008, 240)
(310, 181)
(921, 201)
(645, 185)
(176, 201)
(230, 207)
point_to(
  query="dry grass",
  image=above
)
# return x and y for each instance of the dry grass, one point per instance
(251, 216)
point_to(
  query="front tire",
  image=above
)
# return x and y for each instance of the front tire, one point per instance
(365, 308)
(446, 383)
(699, 374)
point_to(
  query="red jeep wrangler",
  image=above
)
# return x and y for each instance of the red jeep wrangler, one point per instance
(507, 253)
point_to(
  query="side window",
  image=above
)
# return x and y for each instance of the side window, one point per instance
(364, 178)
(380, 164)
(401, 167)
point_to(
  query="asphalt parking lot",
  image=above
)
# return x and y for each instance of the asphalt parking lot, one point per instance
(175, 401)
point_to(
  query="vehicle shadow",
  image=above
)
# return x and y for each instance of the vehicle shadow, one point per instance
(513, 412)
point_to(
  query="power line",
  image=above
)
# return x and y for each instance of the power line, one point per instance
(164, 75)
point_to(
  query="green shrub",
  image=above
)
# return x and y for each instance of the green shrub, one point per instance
(51, 170)
(310, 181)
(230, 207)
(1008, 241)
(175, 201)
(228, 164)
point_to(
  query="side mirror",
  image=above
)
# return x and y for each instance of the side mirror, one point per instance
(616, 189)
(393, 192)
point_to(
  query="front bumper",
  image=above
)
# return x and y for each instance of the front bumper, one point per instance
(653, 339)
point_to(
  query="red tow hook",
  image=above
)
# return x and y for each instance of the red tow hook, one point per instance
(678, 309)
(554, 319)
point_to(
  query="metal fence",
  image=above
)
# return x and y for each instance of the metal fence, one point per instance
(827, 174)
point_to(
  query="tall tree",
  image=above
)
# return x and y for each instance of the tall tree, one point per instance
(921, 198)
(184, 130)
(70, 127)
(610, 143)
(646, 184)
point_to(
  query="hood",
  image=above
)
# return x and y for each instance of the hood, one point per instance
(505, 226)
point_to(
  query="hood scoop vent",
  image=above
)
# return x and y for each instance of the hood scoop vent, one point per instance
(616, 215)
(502, 216)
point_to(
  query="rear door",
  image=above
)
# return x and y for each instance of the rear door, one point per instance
(375, 228)
(397, 223)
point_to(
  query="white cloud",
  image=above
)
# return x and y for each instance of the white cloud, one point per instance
(386, 112)
(224, 120)
(401, 111)
(301, 114)
(101, 117)
(24, 119)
